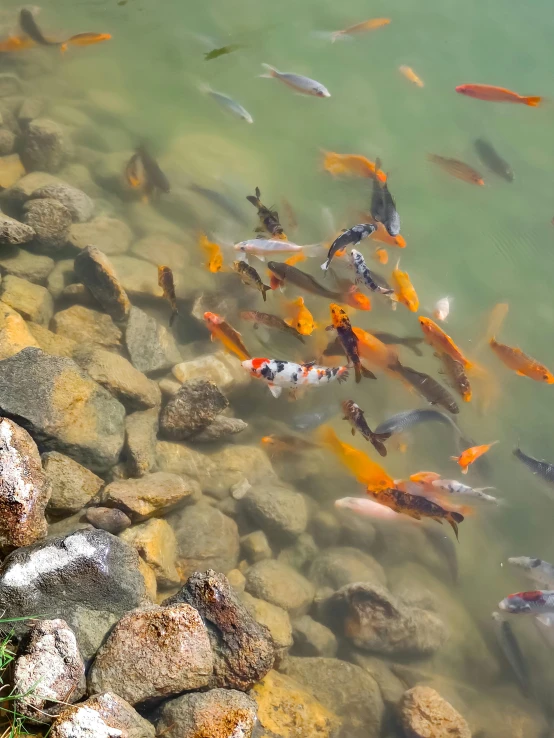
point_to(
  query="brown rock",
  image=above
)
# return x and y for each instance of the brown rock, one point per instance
(14, 333)
(192, 409)
(96, 272)
(141, 431)
(425, 714)
(275, 619)
(108, 518)
(219, 713)
(24, 490)
(155, 542)
(149, 581)
(73, 485)
(50, 342)
(30, 300)
(13, 233)
(102, 716)
(153, 494)
(243, 650)
(84, 325)
(152, 654)
(50, 221)
(281, 585)
(11, 169)
(33, 267)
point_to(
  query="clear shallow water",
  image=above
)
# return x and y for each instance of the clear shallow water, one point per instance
(477, 245)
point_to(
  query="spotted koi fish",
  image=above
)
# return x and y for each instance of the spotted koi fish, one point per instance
(536, 602)
(280, 374)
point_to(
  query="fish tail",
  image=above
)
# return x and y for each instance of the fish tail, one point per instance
(325, 265)
(271, 71)
(453, 519)
(358, 373)
(413, 345)
(367, 373)
(254, 200)
(533, 101)
(377, 439)
(265, 288)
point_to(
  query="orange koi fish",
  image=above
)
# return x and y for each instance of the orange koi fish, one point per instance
(455, 372)
(229, 337)
(381, 255)
(357, 300)
(213, 254)
(85, 39)
(520, 363)
(382, 235)
(365, 470)
(457, 169)
(279, 444)
(349, 341)
(410, 75)
(166, 282)
(295, 259)
(467, 457)
(441, 341)
(405, 291)
(496, 319)
(354, 165)
(374, 351)
(301, 318)
(16, 43)
(491, 93)
(368, 25)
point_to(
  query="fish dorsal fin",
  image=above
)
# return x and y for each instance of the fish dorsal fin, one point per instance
(308, 364)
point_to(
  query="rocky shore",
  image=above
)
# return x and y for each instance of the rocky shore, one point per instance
(171, 579)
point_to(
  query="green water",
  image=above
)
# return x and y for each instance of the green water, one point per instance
(478, 245)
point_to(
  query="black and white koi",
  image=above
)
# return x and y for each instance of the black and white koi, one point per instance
(280, 374)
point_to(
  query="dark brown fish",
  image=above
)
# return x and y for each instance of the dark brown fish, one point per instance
(268, 218)
(29, 25)
(455, 372)
(155, 178)
(457, 169)
(349, 340)
(271, 321)
(416, 506)
(287, 273)
(135, 176)
(165, 281)
(251, 277)
(389, 339)
(492, 159)
(355, 416)
(428, 388)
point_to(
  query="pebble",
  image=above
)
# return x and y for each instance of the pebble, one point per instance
(72, 485)
(109, 235)
(221, 428)
(279, 511)
(83, 325)
(221, 368)
(255, 546)
(191, 410)
(79, 204)
(107, 518)
(50, 221)
(154, 653)
(141, 431)
(275, 619)
(425, 714)
(155, 542)
(20, 263)
(281, 585)
(102, 716)
(312, 638)
(14, 233)
(31, 301)
(7, 142)
(153, 494)
(219, 713)
(97, 273)
(151, 346)
(300, 554)
(45, 147)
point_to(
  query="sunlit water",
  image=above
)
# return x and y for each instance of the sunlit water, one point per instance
(478, 245)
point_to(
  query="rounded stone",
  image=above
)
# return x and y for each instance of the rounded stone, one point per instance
(281, 585)
(425, 714)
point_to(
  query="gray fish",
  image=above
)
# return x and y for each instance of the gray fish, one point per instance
(383, 207)
(223, 202)
(428, 388)
(537, 570)
(228, 103)
(541, 468)
(288, 273)
(298, 82)
(271, 321)
(389, 339)
(405, 420)
(512, 652)
(492, 159)
(309, 421)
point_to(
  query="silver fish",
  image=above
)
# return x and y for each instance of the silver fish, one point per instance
(229, 104)
(302, 84)
(457, 488)
(512, 651)
(537, 602)
(537, 570)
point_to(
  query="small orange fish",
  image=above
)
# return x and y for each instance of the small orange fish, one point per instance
(213, 254)
(229, 337)
(349, 341)
(410, 75)
(277, 444)
(520, 363)
(166, 282)
(86, 39)
(357, 300)
(16, 43)
(441, 341)
(467, 457)
(301, 318)
(457, 169)
(424, 477)
(135, 174)
(405, 291)
(382, 256)
(496, 319)
(295, 259)
(374, 351)
(354, 165)
(365, 470)
(497, 94)
(368, 25)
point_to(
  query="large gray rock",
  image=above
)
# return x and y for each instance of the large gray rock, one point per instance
(221, 713)
(24, 489)
(31, 301)
(192, 409)
(279, 511)
(243, 649)
(102, 716)
(96, 272)
(44, 146)
(20, 263)
(207, 539)
(153, 494)
(141, 432)
(220, 429)
(109, 235)
(72, 485)
(83, 325)
(154, 653)
(281, 585)
(312, 638)
(62, 407)
(50, 221)
(14, 233)
(90, 577)
(151, 346)
(79, 204)
(22, 190)
(344, 688)
(49, 670)
(338, 566)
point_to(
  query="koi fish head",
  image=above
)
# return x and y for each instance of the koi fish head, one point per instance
(466, 90)
(357, 300)
(338, 315)
(356, 258)
(212, 319)
(348, 406)
(522, 602)
(256, 366)
(427, 325)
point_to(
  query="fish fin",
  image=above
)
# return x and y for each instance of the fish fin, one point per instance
(379, 447)
(453, 520)
(521, 374)
(325, 265)
(275, 390)
(533, 101)
(289, 322)
(271, 71)
(454, 458)
(381, 437)
(358, 373)
(353, 430)
(367, 373)
(465, 470)
(265, 289)
(212, 337)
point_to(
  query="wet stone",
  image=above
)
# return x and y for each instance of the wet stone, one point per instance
(275, 619)
(14, 333)
(49, 670)
(221, 368)
(243, 649)
(219, 713)
(191, 410)
(89, 577)
(425, 714)
(72, 484)
(50, 221)
(152, 654)
(110, 519)
(338, 566)
(158, 249)
(96, 272)
(141, 430)
(301, 553)
(152, 494)
(7, 142)
(31, 108)
(31, 301)
(50, 342)
(312, 638)
(24, 489)
(255, 546)
(110, 235)
(14, 233)
(79, 204)
(221, 428)
(11, 170)
(151, 346)
(83, 325)
(10, 84)
(44, 146)
(62, 407)
(20, 263)
(139, 278)
(22, 190)
(155, 542)
(102, 716)
(279, 511)
(281, 585)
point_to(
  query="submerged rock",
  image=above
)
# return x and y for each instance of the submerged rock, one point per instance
(139, 278)
(79, 204)
(7, 142)
(192, 409)
(278, 510)
(221, 428)
(83, 325)
(243, 650)
(11, 170)
(102, 716)
(49, 670)
(22, 190)
(63, 408)
(425, 714)
(281, 585)
(154, 653)
(151, 346)
(107, 518)
(153, 494)
(141, 431)
(90, 577)
(219, 713)
(159, 249)
(24, 489)
(14, 333)
(336, 567)
(20, 263)
(50, 342)
(60, 277)
(221, 368)
(44, 146)
(155, 542)
(108, 235)
(14, 233)
(72, 485)
(30, 300)
(96, 272)
(255, 546)
(50, 221)
(275, 619)
(312, 638)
